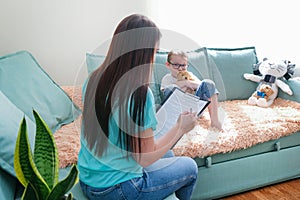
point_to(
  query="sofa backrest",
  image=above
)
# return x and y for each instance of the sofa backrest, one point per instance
(225, 66)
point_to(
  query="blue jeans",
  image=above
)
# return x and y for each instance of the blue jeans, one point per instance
(168, 175)
(205, 90)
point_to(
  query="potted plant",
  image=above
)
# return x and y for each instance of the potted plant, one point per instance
(38, 172)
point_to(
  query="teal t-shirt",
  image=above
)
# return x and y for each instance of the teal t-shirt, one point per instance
(113, 166)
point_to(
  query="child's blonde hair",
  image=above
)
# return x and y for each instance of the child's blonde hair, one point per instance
(176, 52)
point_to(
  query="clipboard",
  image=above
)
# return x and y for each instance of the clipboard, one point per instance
(174, 104)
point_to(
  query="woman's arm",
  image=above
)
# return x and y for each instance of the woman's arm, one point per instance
(152, 150)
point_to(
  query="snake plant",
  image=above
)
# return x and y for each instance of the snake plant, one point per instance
(38, 172)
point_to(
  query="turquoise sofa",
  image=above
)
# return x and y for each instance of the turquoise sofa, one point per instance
(219, 175)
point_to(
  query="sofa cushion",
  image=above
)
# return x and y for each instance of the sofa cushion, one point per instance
(28, 86)
(93, 61)
(159, 70)
(227, 67)
(295, 87)
(10, 119)
(296, 71)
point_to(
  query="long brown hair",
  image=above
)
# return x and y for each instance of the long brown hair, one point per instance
(119, 84)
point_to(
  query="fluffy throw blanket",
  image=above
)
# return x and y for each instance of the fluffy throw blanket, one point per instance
(244, 126)
(67, 138)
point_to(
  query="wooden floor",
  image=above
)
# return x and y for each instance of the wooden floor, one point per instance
(289, 190)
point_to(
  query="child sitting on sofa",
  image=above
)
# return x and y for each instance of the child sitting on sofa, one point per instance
(177, 61)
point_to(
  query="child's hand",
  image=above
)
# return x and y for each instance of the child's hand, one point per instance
(194, 85)
(187, 84)
(184, 89)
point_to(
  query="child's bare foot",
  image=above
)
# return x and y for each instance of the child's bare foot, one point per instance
(217, 125)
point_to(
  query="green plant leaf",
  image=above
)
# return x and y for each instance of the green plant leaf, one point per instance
(17, 163)
(65, 185)
(30, 193)
(24, 165)
(45, 152)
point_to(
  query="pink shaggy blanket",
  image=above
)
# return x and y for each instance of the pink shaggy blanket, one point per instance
(67, 138)
(244, 126)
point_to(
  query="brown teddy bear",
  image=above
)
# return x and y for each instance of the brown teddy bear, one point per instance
(265, 91)
(185, 75)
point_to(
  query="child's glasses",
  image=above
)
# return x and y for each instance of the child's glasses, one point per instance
(176, 65)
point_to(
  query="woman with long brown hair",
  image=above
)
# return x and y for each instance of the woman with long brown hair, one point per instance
(119, 157)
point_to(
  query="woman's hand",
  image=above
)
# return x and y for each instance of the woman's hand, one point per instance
(186, 121)
(153, 149)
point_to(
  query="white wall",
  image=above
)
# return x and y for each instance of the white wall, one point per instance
(272, 26)
(59, 32)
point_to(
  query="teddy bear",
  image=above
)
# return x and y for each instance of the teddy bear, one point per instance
(269, 72)
(185, 75)
(265, 91)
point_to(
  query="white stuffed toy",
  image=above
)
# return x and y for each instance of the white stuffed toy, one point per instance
(268, 72)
